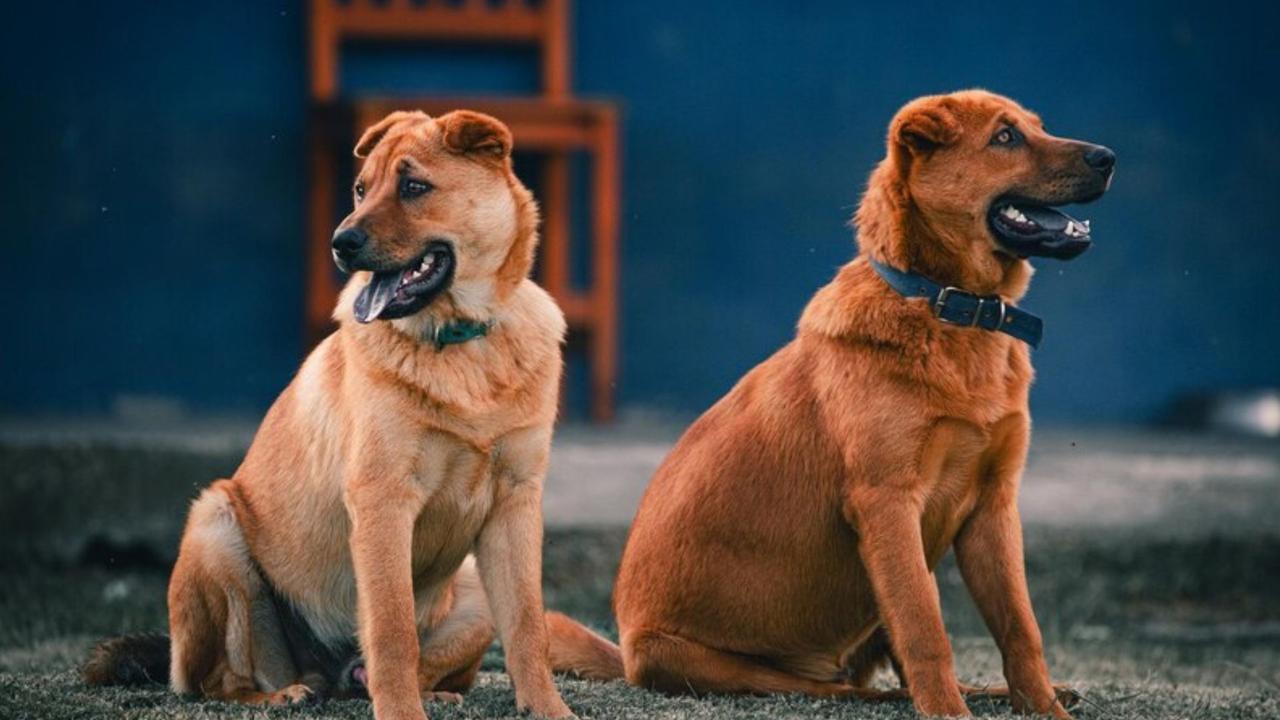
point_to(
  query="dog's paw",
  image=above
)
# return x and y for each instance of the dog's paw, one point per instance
(552, 708)
(1063, 699)
(291, 695)
(440, 696)
(1068, 697)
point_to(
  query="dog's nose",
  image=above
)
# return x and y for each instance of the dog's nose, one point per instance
(1101, 159)
(348, 243)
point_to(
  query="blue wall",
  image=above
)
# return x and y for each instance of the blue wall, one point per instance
(153, 183)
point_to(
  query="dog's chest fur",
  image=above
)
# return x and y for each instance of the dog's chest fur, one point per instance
(354, 414)
(973, 388)
(462, 484)
(304, 551)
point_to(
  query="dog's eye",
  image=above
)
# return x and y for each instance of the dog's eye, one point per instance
(410, 188)
(359, 191)
(1007, 136)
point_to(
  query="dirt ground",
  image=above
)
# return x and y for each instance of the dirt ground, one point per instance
(1152, 561)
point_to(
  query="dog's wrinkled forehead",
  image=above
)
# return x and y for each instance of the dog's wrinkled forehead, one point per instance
(461, 134)
(980, 108)
(393, 130)
(939, 121)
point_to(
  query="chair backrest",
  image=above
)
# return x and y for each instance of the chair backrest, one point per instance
(543, 24)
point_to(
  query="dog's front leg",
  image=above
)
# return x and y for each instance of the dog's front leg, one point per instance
(381, 543)
(509, 553)
(887, 520)
(989, 552)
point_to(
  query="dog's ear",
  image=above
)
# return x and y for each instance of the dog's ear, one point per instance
(476, 134)
(378, 130)
(925, 126)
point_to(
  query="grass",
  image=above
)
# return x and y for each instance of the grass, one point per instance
(1144, 627)
(1112, 612)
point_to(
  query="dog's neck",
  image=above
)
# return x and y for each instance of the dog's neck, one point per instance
(890, 232)
(465, 301)
(893, 230)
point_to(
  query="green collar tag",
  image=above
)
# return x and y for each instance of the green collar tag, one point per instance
(456, 332)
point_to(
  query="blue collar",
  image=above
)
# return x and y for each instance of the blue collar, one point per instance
(960, 307)
(459, 331)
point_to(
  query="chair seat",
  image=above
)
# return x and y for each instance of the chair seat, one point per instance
(542, 123)
(579, 309)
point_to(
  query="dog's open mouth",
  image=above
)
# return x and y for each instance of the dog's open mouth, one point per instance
(1026, 229)
(398, 293)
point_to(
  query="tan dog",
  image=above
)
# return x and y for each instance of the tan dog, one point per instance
(800, 518)
(416, 433)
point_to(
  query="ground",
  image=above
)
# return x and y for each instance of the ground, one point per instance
(1152, 561)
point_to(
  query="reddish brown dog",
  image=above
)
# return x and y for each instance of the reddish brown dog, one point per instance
(787, 542)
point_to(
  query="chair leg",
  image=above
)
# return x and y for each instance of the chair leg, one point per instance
(321, 289)
(555, 238)
(555, 222)
(604, 339)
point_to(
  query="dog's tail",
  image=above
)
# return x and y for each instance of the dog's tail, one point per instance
(578, 651)
(139, 659)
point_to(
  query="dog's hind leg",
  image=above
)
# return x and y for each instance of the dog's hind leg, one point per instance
(226, 641)
(873, 654)
(455, 629)
(671, 664)
(455, 643)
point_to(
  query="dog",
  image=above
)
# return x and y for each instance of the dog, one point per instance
(786, 543)
(417, 433)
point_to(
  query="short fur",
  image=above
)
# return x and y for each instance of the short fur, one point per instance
(385, 462)
(787, 542)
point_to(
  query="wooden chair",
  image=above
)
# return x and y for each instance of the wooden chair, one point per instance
(551, 123)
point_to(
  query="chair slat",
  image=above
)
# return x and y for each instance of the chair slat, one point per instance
(471, 19)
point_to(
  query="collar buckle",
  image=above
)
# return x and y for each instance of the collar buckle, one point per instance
(940, 305)
(1004, 309)
(963, 319)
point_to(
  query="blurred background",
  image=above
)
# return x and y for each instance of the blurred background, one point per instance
(157, 184)
(172, 172)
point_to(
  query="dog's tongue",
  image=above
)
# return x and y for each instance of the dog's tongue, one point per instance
(375, 296)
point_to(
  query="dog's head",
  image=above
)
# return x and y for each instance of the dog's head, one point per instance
(978, 172)
(436, 207)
